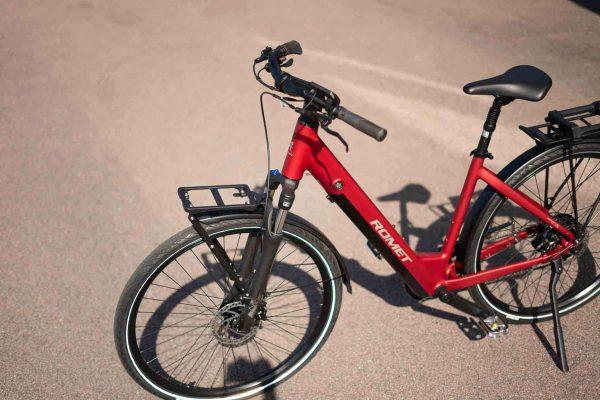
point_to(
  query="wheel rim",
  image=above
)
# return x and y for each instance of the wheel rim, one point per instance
(528, 289)
(281, 289)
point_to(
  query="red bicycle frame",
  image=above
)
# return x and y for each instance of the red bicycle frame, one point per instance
(425, 273)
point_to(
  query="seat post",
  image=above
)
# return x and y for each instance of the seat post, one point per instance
(490, 126)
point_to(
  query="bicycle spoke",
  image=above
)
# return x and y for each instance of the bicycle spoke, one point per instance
(181, 266)
(185, 292)
(284, 330)
(222, 366)
(251, 360)
(225, 290)
(180, 303)
(181, 288)
(176, 332)
(280, 306)
(187, 354)
(279, 348)
(539, 282)
(208, 363)
(236, 248)
(181, 349)
(281, 283)
(536, 195)
(193, 344)
(222, 271)
(168, 326)
(283, 280)
(290, 312)
(556, 187)
(564, 182)
(235, 363)
(592, 174)
(192, 368)
(285, 323)
(525, 286)
(258, 346)
(283, 292)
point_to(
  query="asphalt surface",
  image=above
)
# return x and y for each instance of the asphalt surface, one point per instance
(107, 107)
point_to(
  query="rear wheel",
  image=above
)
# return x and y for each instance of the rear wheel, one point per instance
(174, 332)
(523, 297)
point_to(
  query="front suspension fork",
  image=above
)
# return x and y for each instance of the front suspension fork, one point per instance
(256, 276)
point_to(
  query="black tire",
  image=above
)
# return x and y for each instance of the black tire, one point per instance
(127, 344)
(523, 174)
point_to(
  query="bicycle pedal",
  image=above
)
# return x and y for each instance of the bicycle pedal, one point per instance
(493, 326)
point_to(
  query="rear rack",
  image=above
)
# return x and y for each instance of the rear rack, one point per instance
(566, 125)
(217, 191)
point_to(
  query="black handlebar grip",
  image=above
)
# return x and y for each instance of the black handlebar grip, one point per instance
(362, 124)
(289, 48)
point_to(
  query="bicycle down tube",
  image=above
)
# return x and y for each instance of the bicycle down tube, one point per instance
(423, 272)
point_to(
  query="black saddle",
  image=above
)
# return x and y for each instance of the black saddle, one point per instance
(521, 82)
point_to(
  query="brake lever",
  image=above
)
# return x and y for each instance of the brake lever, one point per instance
(287, 63)
(325, 125)
(264, 55)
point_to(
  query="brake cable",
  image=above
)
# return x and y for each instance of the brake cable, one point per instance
(285, 100)
(325, 119)
(258, 78)
(325, 125)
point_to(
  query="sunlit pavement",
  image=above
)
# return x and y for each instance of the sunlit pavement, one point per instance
(107, 107)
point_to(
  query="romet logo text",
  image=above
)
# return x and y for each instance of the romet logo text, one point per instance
(389, 240)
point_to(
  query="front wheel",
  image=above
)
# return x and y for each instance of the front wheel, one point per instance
(523, 297)
(173, 328)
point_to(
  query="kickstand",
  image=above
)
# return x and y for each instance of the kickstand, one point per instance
(557, 269)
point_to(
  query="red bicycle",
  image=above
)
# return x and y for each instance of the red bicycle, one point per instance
(247, 295)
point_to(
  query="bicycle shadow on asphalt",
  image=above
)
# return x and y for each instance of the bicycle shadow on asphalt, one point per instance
(390, 289)
(428, 239)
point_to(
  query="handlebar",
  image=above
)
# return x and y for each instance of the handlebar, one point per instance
(362, 124)
(289, 48)
(312, 93)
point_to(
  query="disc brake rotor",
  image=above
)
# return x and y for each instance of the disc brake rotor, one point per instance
(224, 326)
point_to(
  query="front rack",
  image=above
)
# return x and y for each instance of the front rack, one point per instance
(195, 198)
(566, 125)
